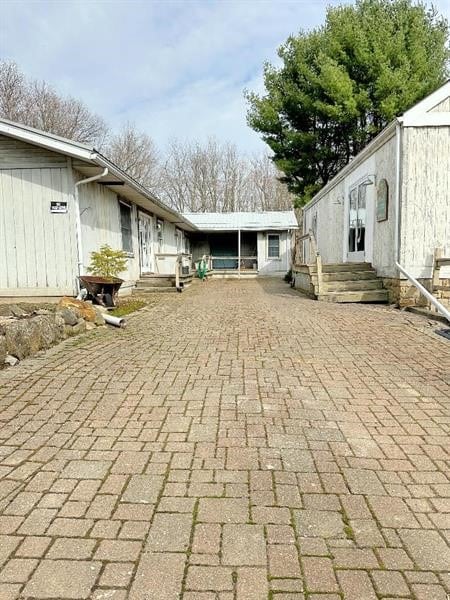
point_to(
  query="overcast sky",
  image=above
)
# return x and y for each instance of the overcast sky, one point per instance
(175, 68)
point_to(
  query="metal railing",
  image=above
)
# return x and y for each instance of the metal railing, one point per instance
(428, 295)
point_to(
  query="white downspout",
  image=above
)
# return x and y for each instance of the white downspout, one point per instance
(78, 217)
(398, 183)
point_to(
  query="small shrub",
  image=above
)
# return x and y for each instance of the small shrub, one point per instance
(107, 263)
(288, 276)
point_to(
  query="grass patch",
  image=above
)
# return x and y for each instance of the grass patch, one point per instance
(127, 307)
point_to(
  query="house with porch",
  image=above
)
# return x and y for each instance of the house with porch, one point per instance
(384, 219)
(60, 200)
(243, 244)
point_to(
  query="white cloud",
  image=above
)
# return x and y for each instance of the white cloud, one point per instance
(173, 67)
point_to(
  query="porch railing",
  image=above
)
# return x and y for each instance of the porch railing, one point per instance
(234, 263)
(308, 241)
(439, 261)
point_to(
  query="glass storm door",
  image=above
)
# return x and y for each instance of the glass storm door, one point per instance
(145, 243)
(357, 224)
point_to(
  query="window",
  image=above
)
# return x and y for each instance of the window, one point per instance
(125, 227)
(273, 245)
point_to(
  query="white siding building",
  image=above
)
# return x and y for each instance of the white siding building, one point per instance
(392, 202)
(52, 217)
(244, 243)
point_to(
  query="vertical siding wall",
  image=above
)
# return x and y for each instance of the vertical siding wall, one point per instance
(330, 213)
(37, 248)
(100, 224)
(384, 258)
(273, 266)
(425, 211)
(165, 265)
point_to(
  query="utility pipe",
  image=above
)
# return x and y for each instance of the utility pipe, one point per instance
(78, 216)
(425, 292)
(116, 321)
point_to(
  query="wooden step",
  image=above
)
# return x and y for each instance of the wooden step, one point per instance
(156, 281)
(358, 296)
(138, 291)
(353, 285)
(348, 267)
(347, 275)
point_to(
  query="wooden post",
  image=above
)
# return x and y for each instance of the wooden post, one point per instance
(438, 253)
(239, 252)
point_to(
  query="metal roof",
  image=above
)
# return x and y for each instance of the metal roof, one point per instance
(232, 221)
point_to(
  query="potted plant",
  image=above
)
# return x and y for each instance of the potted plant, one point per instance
(103, 284)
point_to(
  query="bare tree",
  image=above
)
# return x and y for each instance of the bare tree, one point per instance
(13, 91)
(136, 153)
(215, 177)
(212, 176)
(37, 104)
(268, 192)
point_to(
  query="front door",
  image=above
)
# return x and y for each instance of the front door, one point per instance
(145, 243)
(357, 224)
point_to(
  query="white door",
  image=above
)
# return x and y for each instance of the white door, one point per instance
(359, 230)
(146, 243)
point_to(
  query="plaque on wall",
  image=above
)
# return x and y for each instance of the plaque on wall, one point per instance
(382, 200)
(58, 207)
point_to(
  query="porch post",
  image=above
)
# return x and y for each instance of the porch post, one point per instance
(239, 252)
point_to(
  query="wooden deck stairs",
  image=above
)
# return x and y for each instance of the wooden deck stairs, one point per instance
(348, 282)
(150, 284)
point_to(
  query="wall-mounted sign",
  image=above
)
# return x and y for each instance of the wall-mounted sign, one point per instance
(58, 207)
(382, 200)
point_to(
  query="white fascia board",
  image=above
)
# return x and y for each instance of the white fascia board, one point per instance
(428, 103)
(37, 138)
(90, 155)
(430, 119)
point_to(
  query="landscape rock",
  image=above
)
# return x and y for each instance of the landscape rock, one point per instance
(82, 309)
(80, 327)
(99, 318)
(16, 311)
(90, 326)
(25, 337)
(22, 338)
(69, 316)
(11, 361)
(3, 351)
(59, 322)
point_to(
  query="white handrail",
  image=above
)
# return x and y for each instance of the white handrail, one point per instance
(425, 292)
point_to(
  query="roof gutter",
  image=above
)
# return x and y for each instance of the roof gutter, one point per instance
(115, 170)
(78, 216)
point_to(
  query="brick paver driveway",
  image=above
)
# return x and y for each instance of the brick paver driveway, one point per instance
(236, 442)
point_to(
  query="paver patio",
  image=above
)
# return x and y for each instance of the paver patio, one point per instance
(236, 442)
